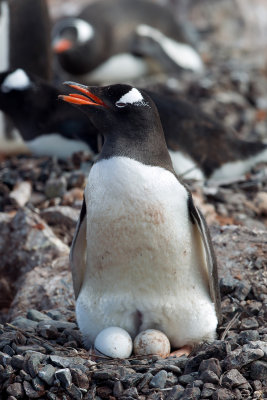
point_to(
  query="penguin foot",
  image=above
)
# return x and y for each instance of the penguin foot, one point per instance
(185, 350)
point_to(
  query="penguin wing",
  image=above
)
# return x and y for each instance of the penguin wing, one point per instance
(78, 252)
(201, 225)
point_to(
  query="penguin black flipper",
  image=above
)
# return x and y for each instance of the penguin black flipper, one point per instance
(78, 252)
(200, 224)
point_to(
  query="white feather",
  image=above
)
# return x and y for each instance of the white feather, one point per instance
(143, 256)
(184, 166)
(54, 144)
(182, 54)
(17, 80)
(236, 169)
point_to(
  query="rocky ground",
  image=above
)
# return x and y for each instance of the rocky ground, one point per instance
(41, 352)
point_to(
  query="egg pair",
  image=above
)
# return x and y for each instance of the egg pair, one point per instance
(117, 343)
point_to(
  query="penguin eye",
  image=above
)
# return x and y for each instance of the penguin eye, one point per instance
(120, 104)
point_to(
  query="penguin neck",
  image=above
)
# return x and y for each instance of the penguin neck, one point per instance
(149, 150)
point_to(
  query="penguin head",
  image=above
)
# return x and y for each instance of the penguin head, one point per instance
(73, 38)
(116, 108)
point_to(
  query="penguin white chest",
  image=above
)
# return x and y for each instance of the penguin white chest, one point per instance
(143, 255)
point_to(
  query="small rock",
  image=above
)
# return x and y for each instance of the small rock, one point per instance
(117, 389)
(21, 193)
(16, 390)
(64, 376)
(74, 392)
(17, 361)
(37, 384)
(227, 285)
(24, 323)
(8, 350)
(211, 364)
(187, 378)
(5, 359)
(159, 380)
(223, 394)
(55, 314)
(79, 378)
(259, 370)
(48, 331)
(247, 336)
(130, 393)
(175, 392)
(47, 374)
(37, 316)
(209, 376)
(60, 325)
(33, 361)
(249, 323)
(233, 378)
(192, 393)
(242, 290)
(208, 390)
(55, 187)
(30, 392)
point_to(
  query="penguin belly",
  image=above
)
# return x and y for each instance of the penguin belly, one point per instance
(145, 263)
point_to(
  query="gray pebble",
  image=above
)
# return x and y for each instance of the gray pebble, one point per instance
(17, 361)
(30, 391)
(55, 187)
(47, 374)
(175, 393)
(259, 370)
(242, 290)
(187, 378)
(55, 314)
(8, 350)
(247, 336)
(64, 376)
(66, 362)
(5, 359)
(208, 390)
(211, 364)
(159, 380)
(192, 393)
(249, 323)
(223, 394)
(33, 361)
(37, 316)
(16, 390)
(209, 376)
(74, 392)
(60, 325)
(117, 389)
(24, 323)
(233, 378)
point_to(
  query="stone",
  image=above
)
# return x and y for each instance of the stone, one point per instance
(38, 385)
(5, 359)
(211, 364)
(33, 361)
(64, 376)
(191, 393)
(209, 376)
(16, 390)
(61, 215)
(37, 316)
(24, 323)
(47, 374)
(247, 336)
(259, 370)
(55, 187)
(8, 350)
(249, 323)
(48, 331)
(227, 285)
(21, 193)
(59, 325)
(79, 378)
(30, 392)
(223, 394)
(208, 390)
(74, 392)
(242, 290)
(241, 357)
(117, 389)
(145, 381)
(55, 314)
(233, 378)
(159, 380)
(175, 393)
(187, 378)
(17, 361)
(217, 349)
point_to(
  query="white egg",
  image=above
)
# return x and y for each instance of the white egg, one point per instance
(152, 341)
(114, 342)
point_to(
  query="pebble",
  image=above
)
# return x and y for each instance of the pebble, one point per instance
(37, 316)
(55, 187)
(64, 376)
(259, 370)
(159, 380)
(47, 373)
(233, 378)
(16, 390)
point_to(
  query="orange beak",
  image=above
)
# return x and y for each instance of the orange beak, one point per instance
(62, 45)
(75, 98)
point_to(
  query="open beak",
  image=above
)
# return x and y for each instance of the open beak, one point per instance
(87, 98)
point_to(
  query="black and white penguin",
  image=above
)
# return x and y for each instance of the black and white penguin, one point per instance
(141, 257)
(50, 127)
(106, 34)
(25, 42)
(47, 126)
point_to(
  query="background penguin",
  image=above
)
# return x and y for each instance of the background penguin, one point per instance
(50, 127)
(105, 29)
(24, 43)
(142, 256)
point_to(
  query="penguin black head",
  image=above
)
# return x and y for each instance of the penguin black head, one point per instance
(126, 117)
(73, 39)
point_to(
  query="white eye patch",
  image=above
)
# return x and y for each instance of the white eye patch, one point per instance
(132, 97)
(17, 80)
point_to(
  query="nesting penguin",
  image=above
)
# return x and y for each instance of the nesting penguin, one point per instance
(142, 255)
(105, 37)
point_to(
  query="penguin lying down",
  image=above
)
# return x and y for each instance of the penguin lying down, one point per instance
(142, 256)
(51, 127)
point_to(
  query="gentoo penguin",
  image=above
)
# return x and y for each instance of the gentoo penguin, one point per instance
(50, 127)
(141, 257)
(113, 29)
(24, 43)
